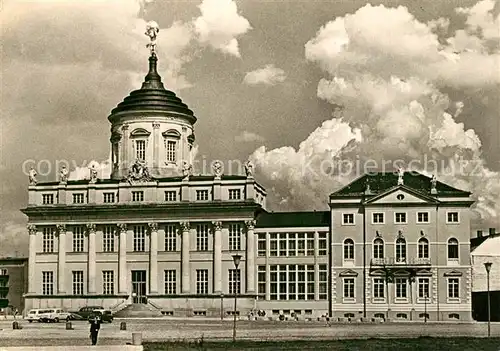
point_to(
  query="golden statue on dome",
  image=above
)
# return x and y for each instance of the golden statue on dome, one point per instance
(152, 30)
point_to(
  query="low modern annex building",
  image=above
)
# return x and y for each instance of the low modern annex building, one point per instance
(401, 249)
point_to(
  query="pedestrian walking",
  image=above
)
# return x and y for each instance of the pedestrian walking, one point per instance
(95, 325)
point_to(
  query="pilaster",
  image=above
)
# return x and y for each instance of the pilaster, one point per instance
(122, 259)
(185, 265)
(156, 148)
(91, 269)
(61, 259)
(32, 229)
(217, 279)
(153, 258)
(250, 257)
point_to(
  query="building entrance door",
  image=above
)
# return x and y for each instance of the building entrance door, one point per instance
(139, 287)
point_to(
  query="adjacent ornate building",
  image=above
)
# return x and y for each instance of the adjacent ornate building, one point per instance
(154, 234)
(400, 249)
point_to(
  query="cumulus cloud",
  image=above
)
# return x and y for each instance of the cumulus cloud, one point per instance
(103, 170)
(220, 24)
(393, 110)
(14, 239)
(246, 137)
(269, 75)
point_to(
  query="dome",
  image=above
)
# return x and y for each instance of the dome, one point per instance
(152, 99)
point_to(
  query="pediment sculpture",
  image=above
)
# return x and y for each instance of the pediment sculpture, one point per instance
(139, 172)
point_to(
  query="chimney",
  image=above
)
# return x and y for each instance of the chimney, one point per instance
(492, 231)
(479, 233)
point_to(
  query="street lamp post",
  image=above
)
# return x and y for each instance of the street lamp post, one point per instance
(487, 265)
(221, 306)
(236, 260)
(425, 307)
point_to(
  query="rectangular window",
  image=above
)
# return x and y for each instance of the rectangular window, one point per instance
(48, 239)
(282, 244)
(234, 194)
(423, 288)
(400, 217)
(47, 199)
(140, 149)
(48, 283)
(453, 288)
(139, 238)
(301, 244)
(261, 281)
(109, 198)
(170, 195)
(235, 237)
(202, 195)
(349, 288)
(401, 288)
(422, 217)
(4, 271)
(292, 244)
(322, 244)
(347, 218)
(171, 151)
(170, 238)
(108, 282)
(202, 237)
(378, 218)
(137, 196)
(261, 244)
(452, 217)
(273, 244)
(310, 244)
(77, 282)
(296, 282)
(108, 238)
(323, 281)
(202, 281)
(378, 288)
(170, 282)
(78, 239)
(78, 198)
(234, 281)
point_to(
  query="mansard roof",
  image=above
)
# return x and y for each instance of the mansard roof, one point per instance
(380, 182)
(293, 219)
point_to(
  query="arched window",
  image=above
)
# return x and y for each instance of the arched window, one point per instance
(378, 248)
(423, 248)
(400, 250)
(171, 139)
(348, 249)
(453, 249)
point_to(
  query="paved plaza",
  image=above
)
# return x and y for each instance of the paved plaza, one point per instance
(41, 334)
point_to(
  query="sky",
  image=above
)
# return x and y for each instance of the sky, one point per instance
(308, 90)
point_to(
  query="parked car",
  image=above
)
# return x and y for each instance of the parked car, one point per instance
(54, 315)
(105, 315)
(34, 315)
(86, 311)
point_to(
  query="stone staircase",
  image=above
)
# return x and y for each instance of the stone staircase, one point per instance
(139, 310)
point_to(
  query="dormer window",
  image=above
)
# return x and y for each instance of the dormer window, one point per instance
(171, 138)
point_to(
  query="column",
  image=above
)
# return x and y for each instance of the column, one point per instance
(156, 147)
(153, 258)
(250, 257)
(91, 268)
(61, 259)
(125, 163)
(122, 259)
(185, 267)
(217, 257)
(32, 259)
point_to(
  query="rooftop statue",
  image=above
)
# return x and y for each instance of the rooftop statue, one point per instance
(152, 30)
